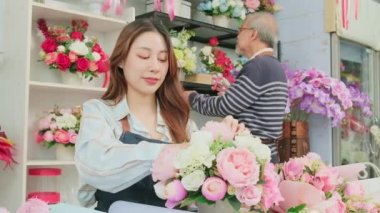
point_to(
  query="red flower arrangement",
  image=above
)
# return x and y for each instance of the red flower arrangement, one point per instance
(6, 148)
(67, 48)
(218, 63)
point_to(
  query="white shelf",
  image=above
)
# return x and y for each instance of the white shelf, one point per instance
(50, 163)
(56, 87)
(96, 22)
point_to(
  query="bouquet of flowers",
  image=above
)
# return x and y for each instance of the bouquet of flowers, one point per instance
(59, 126)
(6, 149)
(309, 184)
(312, 91)
(230, 8)
(186, 58)
(261, 5)
(66, 48)
(218, 166)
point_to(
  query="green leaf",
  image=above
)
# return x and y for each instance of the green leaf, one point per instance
(203, 200)
(234, 203)
(188, 201)
(296, 209)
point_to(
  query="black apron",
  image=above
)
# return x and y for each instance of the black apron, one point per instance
(140, 192)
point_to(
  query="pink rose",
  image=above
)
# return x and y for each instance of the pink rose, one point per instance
(214, 189)
(72, 136)
(103, 66)
(39, 138)
(293, 169)
(238, 166)
(163, 165)
(354, 188)
(76, 35)
(34, 205)
(50, 58)
(252, 5)
(213, 41)
(249, 195)
(97, 48)
(219, 130)
(61, 136)
(48, 136)
(63, 61)
(49, 45)
(175, 193)
(83, 64)
(73, 56)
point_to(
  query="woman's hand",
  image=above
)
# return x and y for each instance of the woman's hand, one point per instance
(234, 124)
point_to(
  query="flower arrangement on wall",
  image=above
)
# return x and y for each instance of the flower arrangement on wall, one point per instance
(185, 55)
(60, 126)
(218, 165)
(261, 5)
(66, 48)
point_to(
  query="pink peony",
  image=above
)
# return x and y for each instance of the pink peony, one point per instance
(252, 5)
(337, 206)
(34, 205)
(163, 165)
(354, 188)
(219, 129)
(48, 136)
(72, 136)
(238, 166)
(326, 179)
(214, 189)
(174, 193)
(61, 136)
(293, 169)
(249, 195)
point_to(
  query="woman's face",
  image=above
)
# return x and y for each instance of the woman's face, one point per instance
(147, 64)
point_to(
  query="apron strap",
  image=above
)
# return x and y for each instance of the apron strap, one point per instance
(125, 124)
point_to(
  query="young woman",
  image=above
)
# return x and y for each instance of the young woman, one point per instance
(141, 113)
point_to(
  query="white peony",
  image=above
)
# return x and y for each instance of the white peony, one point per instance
(61, 49)
(159, 188)
(79, 48)
(247, 141)
(202, 138)
(66, 121)
(194, 180)
(206, 50)
(215, 3)
(262, 152)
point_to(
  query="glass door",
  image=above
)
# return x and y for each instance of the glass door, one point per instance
(354, 65)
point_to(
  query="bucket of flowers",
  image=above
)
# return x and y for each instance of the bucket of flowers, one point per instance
(219, 171)
(185, 55)
(67, 49)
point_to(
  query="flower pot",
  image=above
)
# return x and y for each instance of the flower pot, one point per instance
(294, 141)
(64, 153)
(221, 20)
(219, 207)
(76, 79)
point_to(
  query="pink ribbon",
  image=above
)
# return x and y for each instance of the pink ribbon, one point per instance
(170, 9)
(157, 5)
(356, 9)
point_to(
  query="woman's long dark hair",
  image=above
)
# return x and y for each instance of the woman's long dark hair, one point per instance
(174, 109)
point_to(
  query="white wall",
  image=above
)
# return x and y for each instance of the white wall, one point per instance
(305, 45)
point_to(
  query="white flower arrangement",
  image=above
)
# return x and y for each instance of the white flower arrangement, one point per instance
(230, 8)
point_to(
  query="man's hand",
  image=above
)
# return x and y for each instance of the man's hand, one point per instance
(234, 124)
(186, 95)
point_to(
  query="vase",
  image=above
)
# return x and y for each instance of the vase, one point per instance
(221, 20)
(64, 153)
(218, 207)
(294, 141)
(76, 79)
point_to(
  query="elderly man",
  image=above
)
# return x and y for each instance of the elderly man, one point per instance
(258, 97)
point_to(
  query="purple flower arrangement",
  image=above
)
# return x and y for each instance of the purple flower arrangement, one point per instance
(360, 100)
(312, 91)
